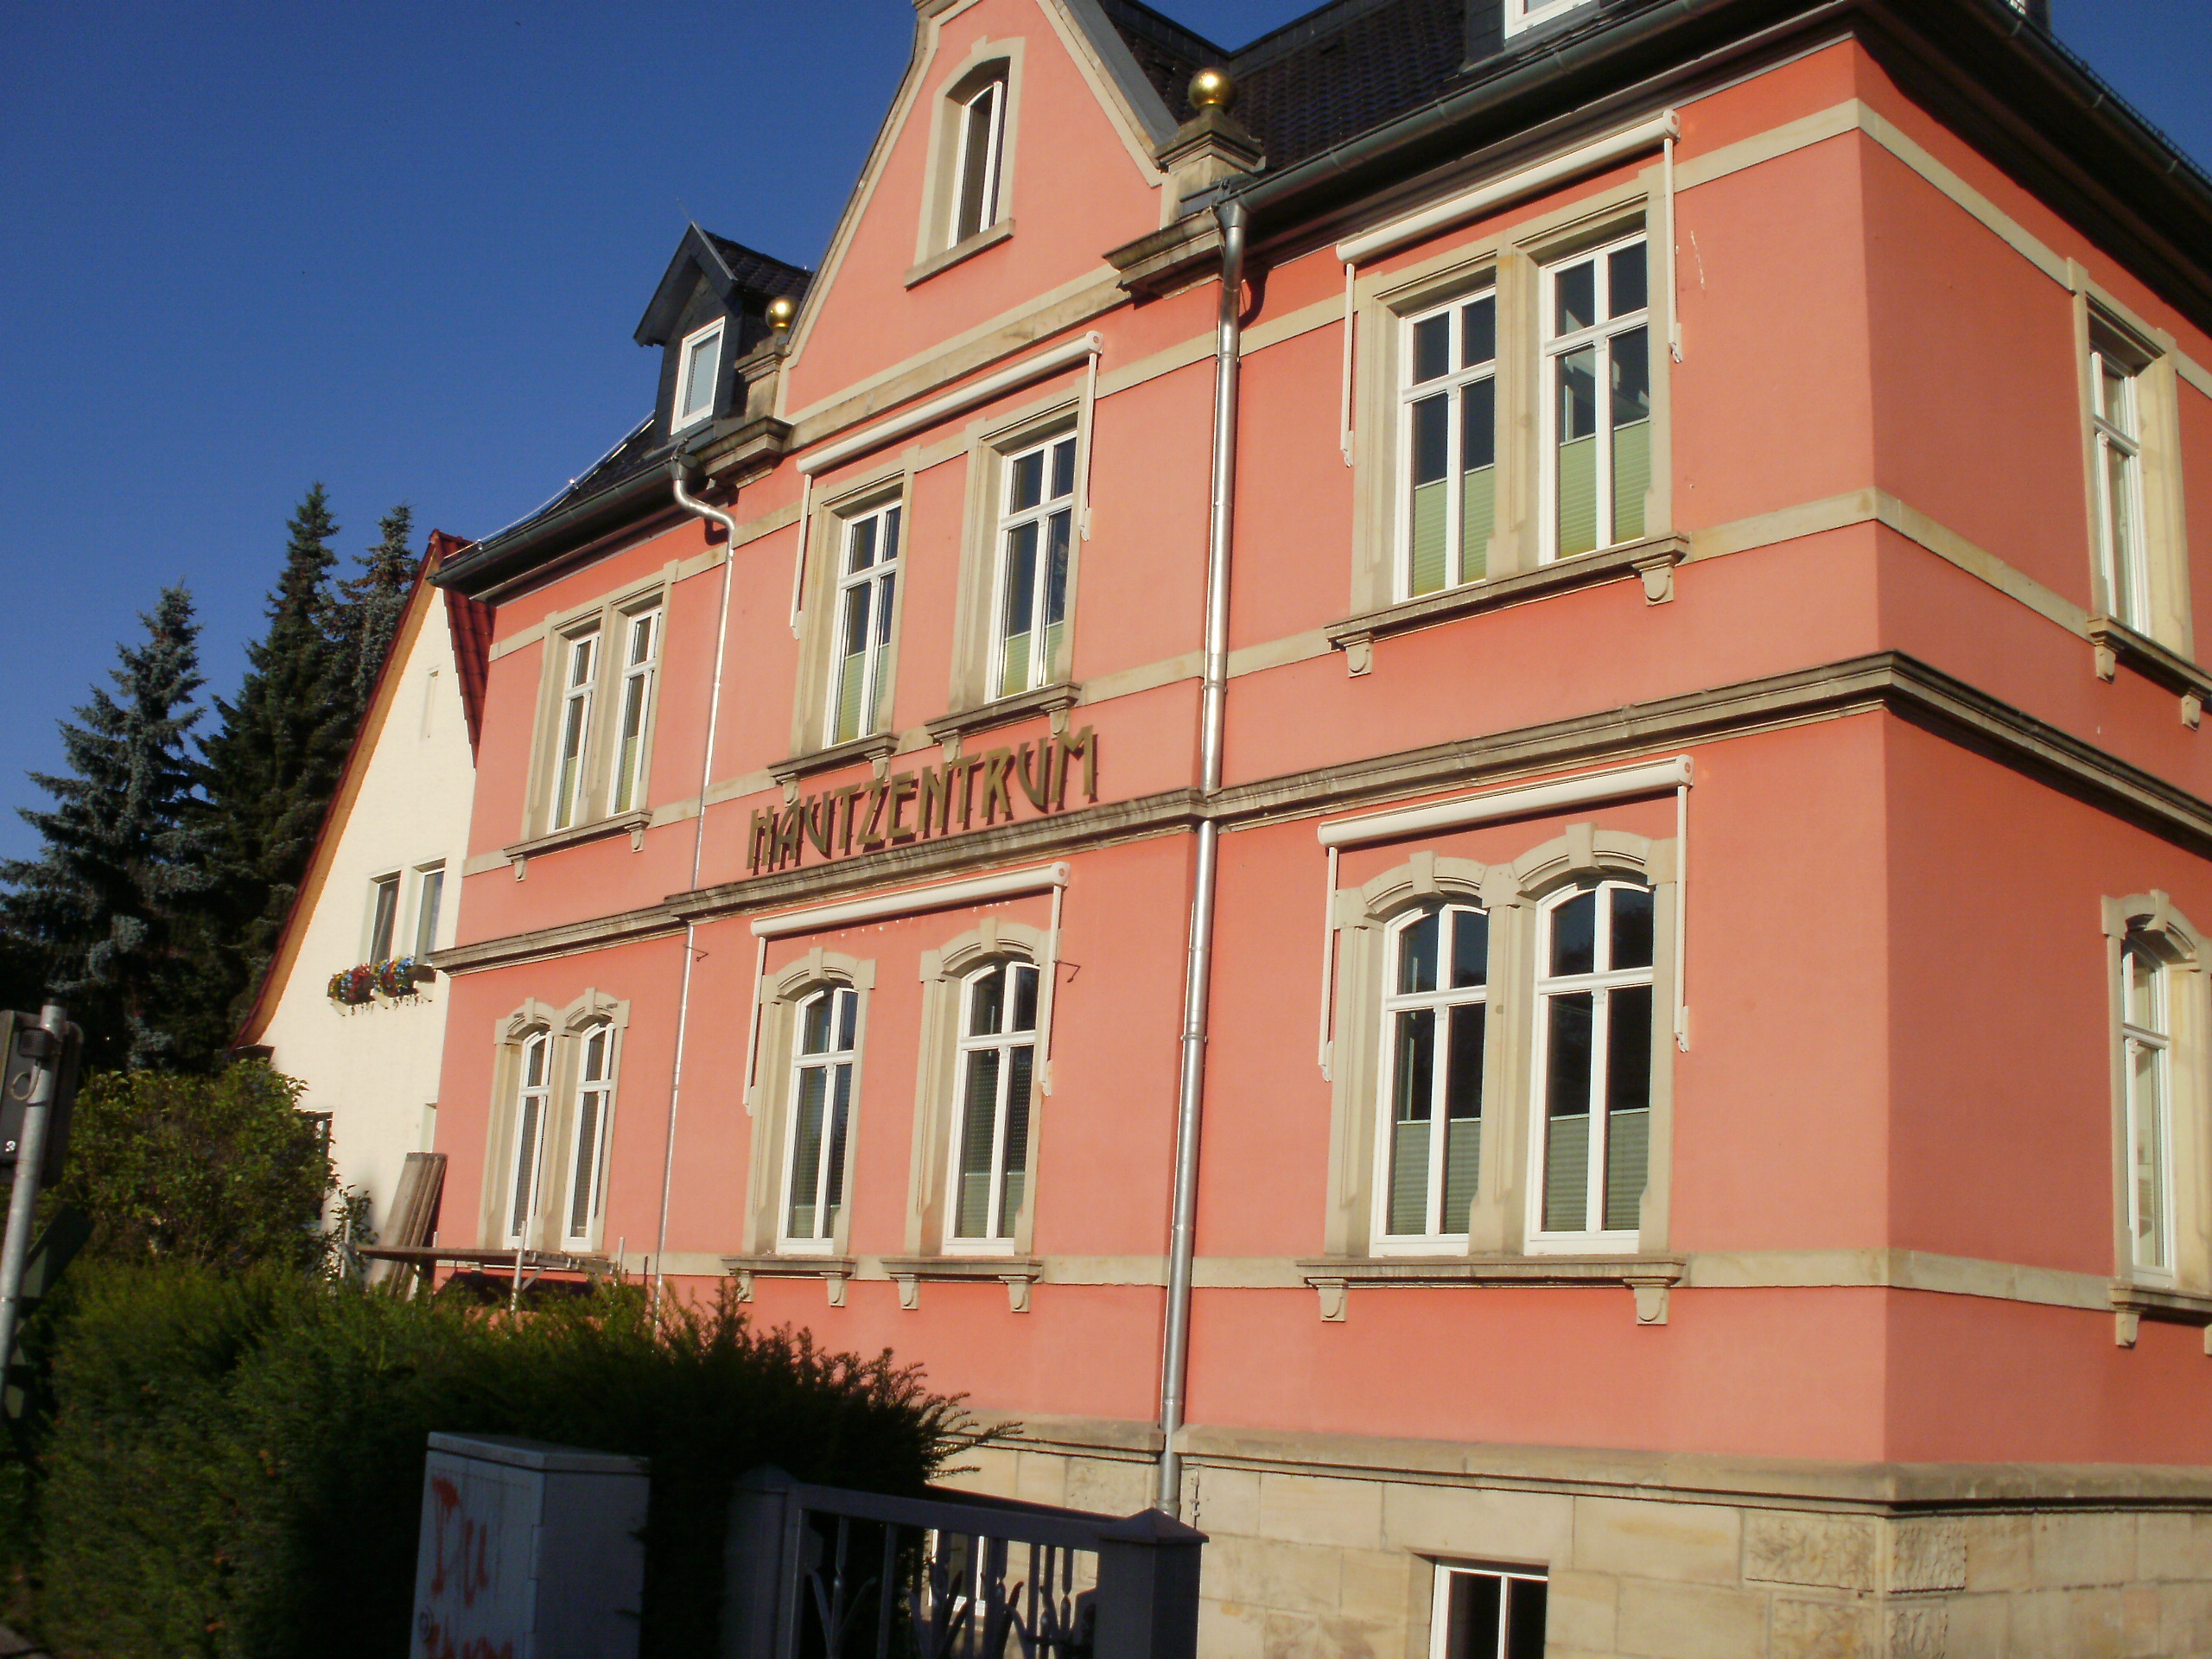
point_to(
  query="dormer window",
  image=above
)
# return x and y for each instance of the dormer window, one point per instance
(981, 131)
(699, 365)
(1527, 14)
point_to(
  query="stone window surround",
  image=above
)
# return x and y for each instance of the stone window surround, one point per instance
(2185, 1296)
(768, 1100)
(889, 485)
(929, 1252)
(1497, 1250)
(1511, 262)
(604, 614)
(933, 249)
(2169, 623)
(566, 1028)
(974, 648)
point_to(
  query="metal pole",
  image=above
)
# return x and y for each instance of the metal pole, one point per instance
(30, 1153)
(1190, 1105)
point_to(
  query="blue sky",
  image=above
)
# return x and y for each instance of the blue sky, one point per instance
(400, 248)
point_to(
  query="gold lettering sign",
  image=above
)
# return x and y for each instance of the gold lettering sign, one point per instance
(908, 806)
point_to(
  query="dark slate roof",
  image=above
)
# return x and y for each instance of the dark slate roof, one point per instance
(759, 272)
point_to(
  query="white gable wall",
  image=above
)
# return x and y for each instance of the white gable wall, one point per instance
(374, 1068)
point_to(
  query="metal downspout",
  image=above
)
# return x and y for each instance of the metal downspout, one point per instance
(1190, 1105)
(677, 469)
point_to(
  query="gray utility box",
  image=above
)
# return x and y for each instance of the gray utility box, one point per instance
(529, 1551)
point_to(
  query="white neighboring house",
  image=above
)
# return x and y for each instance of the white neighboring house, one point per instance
(383, 884)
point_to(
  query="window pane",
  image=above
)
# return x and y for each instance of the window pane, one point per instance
(1028, 482)
(1432, 419)
(587, 1147)
(526, 1162)
(1417, 955)
(852, 664)
(2119, 481)
(1478, 332)
(1019, 1063)
(384, 919)
(848, 1004)
(1412, 1083)
(533, 1073)
(814, 1025)
(841, 1104)
(1630, 288)
(595, 1057)
(986, 1002)
(1473, 1614)
(1574, 293)
(1463, 1106)
(1470, 948)
(891, 534)
(1631, 944)
(972, 1201)
(2142, 975)
(641, 638)
(1432, 347)
(1631, 409)
(1063, 468)
(975, 209)
(2147, 1086)
(631, 750)
(1573, 941)
(580, 656)
(806, 1151)
(1567, 1130)
(1524, 1617)
(1057, 530)
(1025, 998)
(426, 912)
(699, 377)
(1628, 1104)
(860, 545)
(1577, 451)
(2113, 382)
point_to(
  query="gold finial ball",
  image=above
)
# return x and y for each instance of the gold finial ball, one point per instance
(1212, 89)
(780, 313)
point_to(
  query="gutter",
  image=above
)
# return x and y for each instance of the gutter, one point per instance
(490, 562)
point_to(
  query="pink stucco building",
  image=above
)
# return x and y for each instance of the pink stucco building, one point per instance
(1516, 919)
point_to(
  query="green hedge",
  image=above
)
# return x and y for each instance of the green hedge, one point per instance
(235, 1467)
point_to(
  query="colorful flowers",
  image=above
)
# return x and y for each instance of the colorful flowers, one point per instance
(396, 977)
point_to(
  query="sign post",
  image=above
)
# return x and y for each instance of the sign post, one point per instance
(41, 1079)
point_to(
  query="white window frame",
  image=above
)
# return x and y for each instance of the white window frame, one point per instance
(572, 731)
(678, 420)
(2127, 568)
(1451, 385)
(1041, 665)
(880, 577)
(382, 933)
(1527, 14)
(523, 1185)
(1599, 984)
(829, 1172)
(2155, 1036)
(1432, 1239)
(595, 1105)
(1439, 1615)
(430, 906)
(1600, 336)
(640, 675)
(966, 114)
(1005, 1041)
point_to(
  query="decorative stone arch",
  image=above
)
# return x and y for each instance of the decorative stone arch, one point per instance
(769, 1100)
(944, 973)
(2180, 947)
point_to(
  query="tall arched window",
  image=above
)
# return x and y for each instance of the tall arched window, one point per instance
(594, 1103)
(998, 1047)
(532, 1100)
(822, 1101)
(1434, 1014)
(980, 132)
(2146, 1034)
(1593, 1060)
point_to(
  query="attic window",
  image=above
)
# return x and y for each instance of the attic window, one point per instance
(1526, 14)
(694, 389)
(981, 131)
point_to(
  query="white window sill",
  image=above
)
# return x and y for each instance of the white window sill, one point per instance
(1005, 711)
(2114, 643)
(633, 823)
(961, 252)
(1649, 1277)
(880, 746)
(833, 1270)
(2132, 1303)
(1016, 1273)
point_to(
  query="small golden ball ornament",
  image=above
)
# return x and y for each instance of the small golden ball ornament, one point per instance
(1212, 89)
(780, 313)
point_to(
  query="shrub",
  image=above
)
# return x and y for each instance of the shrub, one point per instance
(236, 1467)
(223, 1170)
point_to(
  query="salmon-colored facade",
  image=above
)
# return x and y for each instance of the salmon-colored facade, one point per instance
(1822, 1257)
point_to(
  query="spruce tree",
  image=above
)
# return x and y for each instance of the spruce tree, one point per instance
(273, 763)
(97, 910)
(368, 612)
